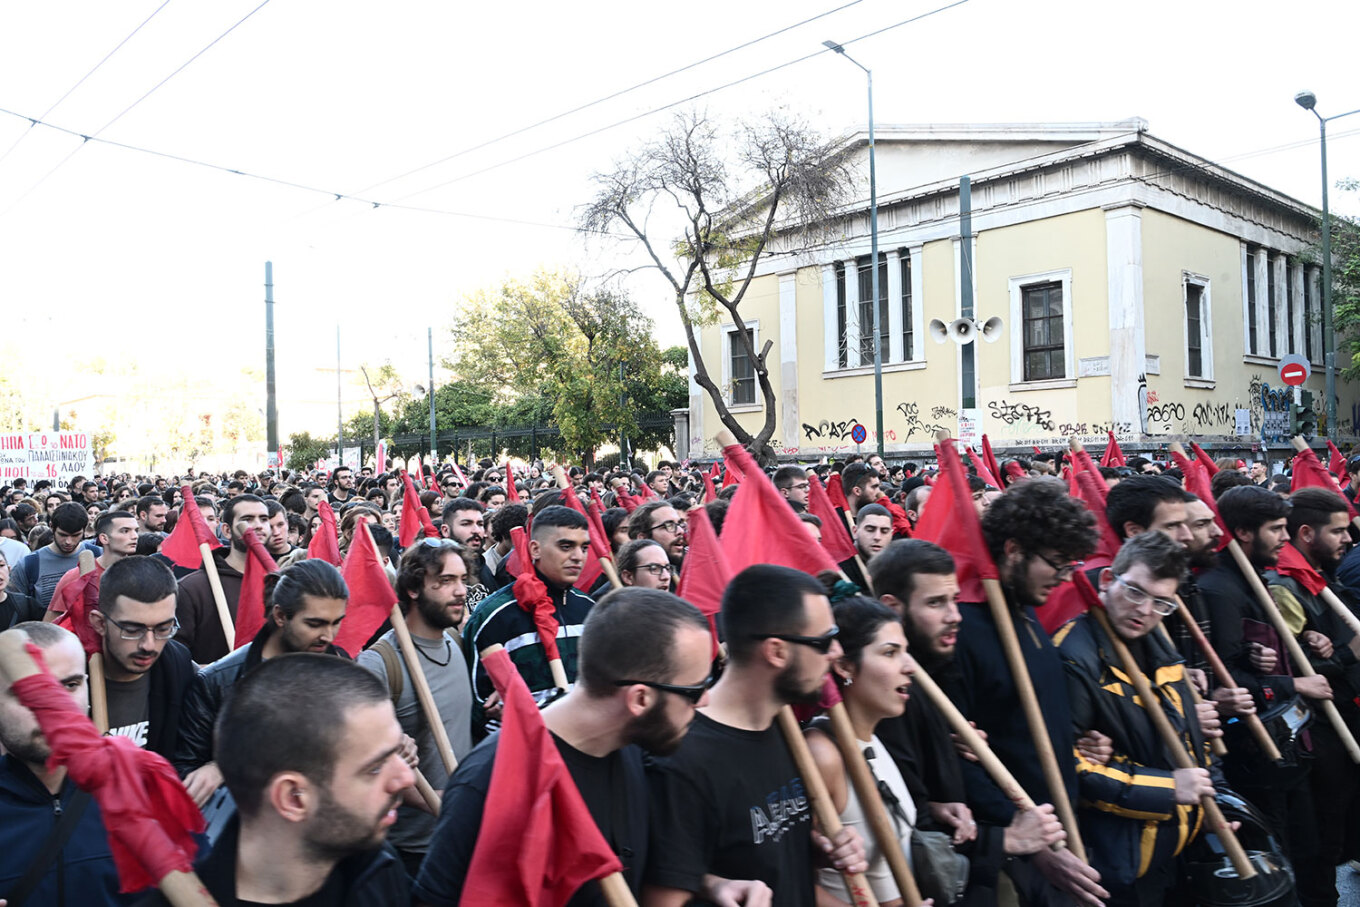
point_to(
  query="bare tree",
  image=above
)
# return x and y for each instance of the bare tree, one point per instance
(777, 181)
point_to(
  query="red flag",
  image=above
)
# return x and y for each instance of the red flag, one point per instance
(325, 545)
(371, 595)
(1308, 473)
(835, 536)
(518, 557)
(511, 490)
(761, 527)
(1036, 450)
(1087, 487)
(836, 492)
(190, 531)
(733, 474)
(626, 500)
(990, 459)
(705, 573)
(413, 512)
(1210, 467)
(599, 539)
(1113, 455)
(459, 473)
(1015, 471)
(531, 594)
(150, 817)
(591, 572)
(419, 475)
(78, 599)
(983, 471)
(1295, 566)
(901, 523)
(710, 493)
(950, 521)
(1337, 463)
(533, 811)
(250, 614)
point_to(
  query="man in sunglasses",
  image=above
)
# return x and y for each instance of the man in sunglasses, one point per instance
(1137, 802)
(644, 668)
(729, 805)
(146, 672)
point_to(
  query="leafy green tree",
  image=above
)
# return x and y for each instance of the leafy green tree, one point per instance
(304, 450)
(1346, 287)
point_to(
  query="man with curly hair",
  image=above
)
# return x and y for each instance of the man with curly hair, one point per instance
(1037, 535)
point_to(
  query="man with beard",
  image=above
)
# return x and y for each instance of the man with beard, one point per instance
(200, 626)
(1245, 639)
(150, 511)
(146, 673)
(35, 796)
(342, 486)
(862, 486)
(36, 576)
(462, 520)
(431, 586)
(311, 752)
(557, 551)
(729, 805)
(662, 523)
(644, 668)
(306, 604)
(1319, 535)
(873, 532)
(1037, 535)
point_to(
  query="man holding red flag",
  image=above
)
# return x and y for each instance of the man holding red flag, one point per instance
(200, 627)
(644, 668)
(306, 605)
(862, 486)
(557, 550)
(116, 533)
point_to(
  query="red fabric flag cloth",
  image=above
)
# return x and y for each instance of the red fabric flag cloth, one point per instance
(413, 513)
(761, 527)
(78, 599)
(1210, 467)
(1295, 566)
(371, 595)
(836, 492)
(1036, 450)
(990, 459)
(733, 475)
(1113, 456)
(624, 499)
(1089, 486)
(149, 815)
(592, 571)
(599, 539)
(710, 493)
(835, 536)
(706, 572)
(984, 472)
(1015, 471)
(250, 614)
(901, 523)
(1336, 464)
(519, 550)
(1066, 601)
(950, 521)
(190, 531)
(1198, 483)
(325, 545)
(532, 596)
(1308, 473)
(511, 490)
(538, 844)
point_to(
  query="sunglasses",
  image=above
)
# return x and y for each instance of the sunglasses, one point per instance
(692, 692)
(820, 643)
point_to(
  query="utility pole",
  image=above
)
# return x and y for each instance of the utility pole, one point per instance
(271, 412)
(434, 448)
(339, 418)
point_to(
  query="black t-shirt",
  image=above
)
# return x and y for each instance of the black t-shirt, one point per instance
(130, 709)
(331, 894)
(731, 802)
(614, 788)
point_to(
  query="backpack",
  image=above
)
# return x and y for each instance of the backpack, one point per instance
(396, 672)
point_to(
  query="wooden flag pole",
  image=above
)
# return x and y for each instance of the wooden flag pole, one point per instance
(426, 791)
(1301, 663)
(1216, 744)
(871, 801)
(99, 693)
(427, 705)
(861, 895)
(1175, 746)
(859, 561)
(220, 597)
(1253, 721)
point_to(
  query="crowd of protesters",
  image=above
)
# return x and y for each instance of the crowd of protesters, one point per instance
(304, 757)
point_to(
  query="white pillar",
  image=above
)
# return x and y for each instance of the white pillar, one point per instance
(1277, 274)
(696, 408)
(788, 358)
(1128, 348)
(1263, 302)
(852, 325)
(895, 351)
(1300, 323)
(830, 329)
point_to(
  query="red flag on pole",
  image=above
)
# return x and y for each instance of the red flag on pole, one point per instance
(1308, 473)
(984, 472)
(599, 544)
(990, 459)
(78, 599)
(325, 545)
(533, 811)
(950, 521)
(532, 596)
(835, 537)
(705, 573)
(190, 531)
(511, 490)
(835, 491)
(626, 500)
(459, 473)
(1294, 565)
(1113, 455)
(1337, 463)
(250, 614)
(1210, 467)
(1198, 483)
(518, 557)
(761, 527)
(371, 595)
(412, 513)
(710, 493)
(150, 817)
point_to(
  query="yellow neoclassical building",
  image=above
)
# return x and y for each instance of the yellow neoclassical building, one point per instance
(1138, 288)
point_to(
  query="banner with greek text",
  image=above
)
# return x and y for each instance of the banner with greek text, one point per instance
(56, 455)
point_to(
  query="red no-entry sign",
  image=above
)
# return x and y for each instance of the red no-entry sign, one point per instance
(1294, 370)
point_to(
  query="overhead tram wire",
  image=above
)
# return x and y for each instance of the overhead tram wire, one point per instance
(57, 103)
(128, 109)
(673, 104)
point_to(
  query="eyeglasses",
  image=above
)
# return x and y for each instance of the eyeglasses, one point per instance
(671, 526)
(1063, 571)
(820, 643)
(137, 631)
(799, 486)
(692, 692)
(1138, 597)
(657, 570)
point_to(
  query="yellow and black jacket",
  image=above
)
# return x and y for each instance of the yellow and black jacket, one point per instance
(1128, 812)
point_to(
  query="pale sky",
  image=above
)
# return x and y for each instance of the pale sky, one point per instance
(119, 248)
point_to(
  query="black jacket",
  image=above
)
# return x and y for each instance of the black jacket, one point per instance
(1237, 618)
(371, 878)
(170, 678)
(17, 608)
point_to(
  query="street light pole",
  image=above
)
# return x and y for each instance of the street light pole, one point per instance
(873, 250)
(1308, 101)
(434, 450)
